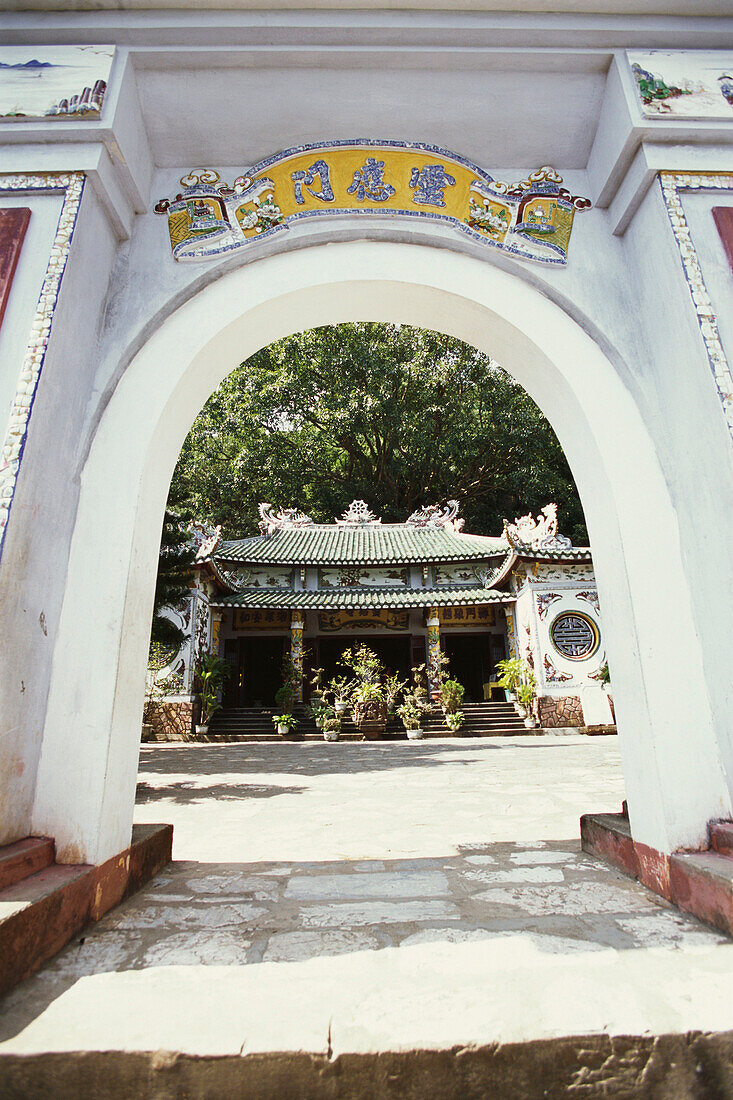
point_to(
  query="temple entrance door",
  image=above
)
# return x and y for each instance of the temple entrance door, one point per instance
(471, 662)
(256, 671)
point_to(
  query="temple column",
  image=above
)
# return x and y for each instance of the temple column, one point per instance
(433, 654)
(297, 624)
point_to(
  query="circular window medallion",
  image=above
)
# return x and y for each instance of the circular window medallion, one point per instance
(574, 635)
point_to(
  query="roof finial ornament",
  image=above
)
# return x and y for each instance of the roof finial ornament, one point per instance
(435, 516)
(286, 518)
(204, 537)
(358, 514)
(539, 534)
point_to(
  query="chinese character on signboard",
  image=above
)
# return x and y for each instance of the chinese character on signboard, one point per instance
(428, 184)
(368, 182)
(304, 179)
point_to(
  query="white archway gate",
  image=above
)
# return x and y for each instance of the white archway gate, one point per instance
(85, 784)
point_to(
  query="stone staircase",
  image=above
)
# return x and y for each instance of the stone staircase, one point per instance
(255, 724)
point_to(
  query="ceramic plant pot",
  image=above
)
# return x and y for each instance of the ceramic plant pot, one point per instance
(414, 735)
(201, 731)
(330, 735)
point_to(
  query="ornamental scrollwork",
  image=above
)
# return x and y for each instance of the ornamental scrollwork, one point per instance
(358, 514)
(435, 516)
(539, 534)
(285, 519)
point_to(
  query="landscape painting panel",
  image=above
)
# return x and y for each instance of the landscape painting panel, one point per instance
(687, 84)
(58, 82)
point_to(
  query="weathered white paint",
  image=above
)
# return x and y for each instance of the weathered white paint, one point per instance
(674, 783)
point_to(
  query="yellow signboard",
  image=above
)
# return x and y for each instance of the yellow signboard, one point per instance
(482, 615)
(250, 618)
(530, 218)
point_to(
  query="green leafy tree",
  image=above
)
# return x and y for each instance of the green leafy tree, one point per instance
(172, 586)
(398, 416)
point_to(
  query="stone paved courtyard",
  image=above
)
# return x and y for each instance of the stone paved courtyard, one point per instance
(370, 896)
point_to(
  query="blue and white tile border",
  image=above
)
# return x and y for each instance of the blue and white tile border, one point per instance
(71, 185)
(672, 183)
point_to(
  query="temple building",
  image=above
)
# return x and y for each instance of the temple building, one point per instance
(407, 589)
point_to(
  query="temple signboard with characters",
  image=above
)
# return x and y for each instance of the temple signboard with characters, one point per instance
(409, 590)
(531, 218)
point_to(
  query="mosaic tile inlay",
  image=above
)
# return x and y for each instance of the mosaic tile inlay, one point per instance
(672, 183)
(531, 218)
(71, 184)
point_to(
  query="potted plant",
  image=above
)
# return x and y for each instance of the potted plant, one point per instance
(340, 688)
(454, 720)
(392, 688)
(411, 716)
(320, 710)
(332, 728)
(287, 693)
(526, 694)
(370, 709)
(210, 674)
(451, 696)
(510, 675)
(369, 699)
(285, 723)
(316, 682)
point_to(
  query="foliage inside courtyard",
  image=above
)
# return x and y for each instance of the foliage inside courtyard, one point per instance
(398, 416)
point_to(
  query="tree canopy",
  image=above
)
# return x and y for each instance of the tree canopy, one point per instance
(397, 416)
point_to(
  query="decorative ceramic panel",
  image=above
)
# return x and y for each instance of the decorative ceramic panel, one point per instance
(260, 578)
(354, 577)
(685, 84)
(723, 218)
(531, 218)
(563, 572)
(53, 82)
(71, 186)
(331, 621)
(674, 185)
(13, 224)
(464, 575)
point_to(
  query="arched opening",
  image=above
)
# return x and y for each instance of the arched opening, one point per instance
(673, 785)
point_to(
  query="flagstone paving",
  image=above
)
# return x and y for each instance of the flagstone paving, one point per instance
(376, 896)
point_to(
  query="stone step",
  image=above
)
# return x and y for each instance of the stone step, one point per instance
(721, 837)
(24, 858)
(702, 884)
(38, 916)
(40, 913)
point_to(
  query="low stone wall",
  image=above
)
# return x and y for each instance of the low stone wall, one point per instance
(170, 721)
(563, 710)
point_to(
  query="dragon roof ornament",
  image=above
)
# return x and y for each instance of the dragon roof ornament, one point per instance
(204, 538)
(435, 516)
(285, 519)
(537, 534)
(358, 514)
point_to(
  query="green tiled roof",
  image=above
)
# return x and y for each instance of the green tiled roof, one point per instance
(332, 545)
(362, 598)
